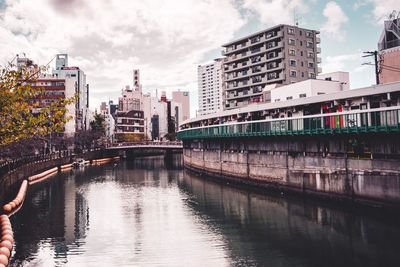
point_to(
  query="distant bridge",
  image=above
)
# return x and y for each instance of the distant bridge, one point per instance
(132, 150)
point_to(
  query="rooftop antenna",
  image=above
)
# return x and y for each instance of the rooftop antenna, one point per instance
(295, 18)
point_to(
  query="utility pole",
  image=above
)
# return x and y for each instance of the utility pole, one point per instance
(375, 54)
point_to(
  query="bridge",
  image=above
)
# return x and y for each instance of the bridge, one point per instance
(147, 148)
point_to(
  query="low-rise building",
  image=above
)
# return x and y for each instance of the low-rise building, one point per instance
(129, 126)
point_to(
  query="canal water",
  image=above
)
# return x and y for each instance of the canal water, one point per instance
(151, 213)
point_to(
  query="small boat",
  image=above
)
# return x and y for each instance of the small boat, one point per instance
(79, 162)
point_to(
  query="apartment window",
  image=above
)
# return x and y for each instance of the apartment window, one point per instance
(270, 34)
(290, 31)
(270, 44)
(301, 43)
(301, 53)
(255, 39)
(244, 72)
(289, 98)
(309, 34)
(256, 49)
(293, 73)
(302, 63)
(302, 74)
(311, 75)
(271, 65)
(310, 54)
(311, 64)
(271, 55)
(272, 76)
(292, 42)
(255, 59)
(256, 69)
(302, 95)
(310, 44)
(292, 62)
(292, 52)
(301, 33)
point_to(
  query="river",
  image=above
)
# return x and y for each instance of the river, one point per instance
(151, 213)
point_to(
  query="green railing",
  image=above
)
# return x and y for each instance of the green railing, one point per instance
(373, 120)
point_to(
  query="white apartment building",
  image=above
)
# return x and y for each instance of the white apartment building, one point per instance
(63, 71)
(210, 90)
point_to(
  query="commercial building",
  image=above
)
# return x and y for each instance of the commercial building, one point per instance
(282, 54)
(182, 97)
(389, 50)
(129, 126)
(210, 83)
(324, 84)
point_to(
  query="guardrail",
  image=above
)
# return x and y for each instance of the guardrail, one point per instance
(10, 165)
(149, 143)
(360, 121)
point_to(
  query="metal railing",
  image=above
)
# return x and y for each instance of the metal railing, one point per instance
(360, 121)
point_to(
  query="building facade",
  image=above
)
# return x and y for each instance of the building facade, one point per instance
(129, 126)
(64, 71)
(210, 82)
(389, 50)
(282, 54)
(182, 97)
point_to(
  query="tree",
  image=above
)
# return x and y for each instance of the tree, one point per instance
(21, 114)
(98, 124)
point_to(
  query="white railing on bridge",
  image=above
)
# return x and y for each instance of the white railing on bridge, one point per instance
(147, 144)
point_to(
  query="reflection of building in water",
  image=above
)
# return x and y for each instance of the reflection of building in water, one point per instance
(288, 228)
(76, 212)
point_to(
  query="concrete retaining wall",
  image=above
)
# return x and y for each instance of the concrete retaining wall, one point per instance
(296, 165)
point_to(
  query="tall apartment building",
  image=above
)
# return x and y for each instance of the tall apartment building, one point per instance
(210, 82)
(282, 54)
(82, 89)
(389, 50)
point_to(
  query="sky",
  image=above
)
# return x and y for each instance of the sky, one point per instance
(168, 39)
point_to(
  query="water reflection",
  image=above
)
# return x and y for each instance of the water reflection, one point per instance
(150, 212)
(276, 231)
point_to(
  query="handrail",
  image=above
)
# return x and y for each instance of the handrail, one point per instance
(375, 120)
(298, 117)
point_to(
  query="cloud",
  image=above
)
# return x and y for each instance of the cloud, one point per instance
(341, 62)
(382, 9)
(335, 20)
(166, 40)
(272, 12)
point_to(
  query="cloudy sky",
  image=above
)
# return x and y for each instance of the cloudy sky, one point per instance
(167, 39)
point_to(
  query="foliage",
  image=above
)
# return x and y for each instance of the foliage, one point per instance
(98, 124)
(21, 114)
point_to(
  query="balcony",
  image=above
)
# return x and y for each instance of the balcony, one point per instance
(318, 40)
(319, 70)
(275, 57)
(277, 78)
(318, 60)
(277, 67)
(319, 50)
(278, 45)
(278, 35)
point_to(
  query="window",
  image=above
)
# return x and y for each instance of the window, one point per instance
(292, 73)
(302, 95)
(302, 74)
(301, 33)
(272, 76)
(292, 42)
(310, 44)
(311, 64)
(301, 53)
(271, 55)
(310, 54)
(309, 34)
(311, 75)
(302, 64)
(292, 52)
(289, 98)
(270, 34)
(270, 44)
(271, 65)
(292, 62)
(290, 31)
